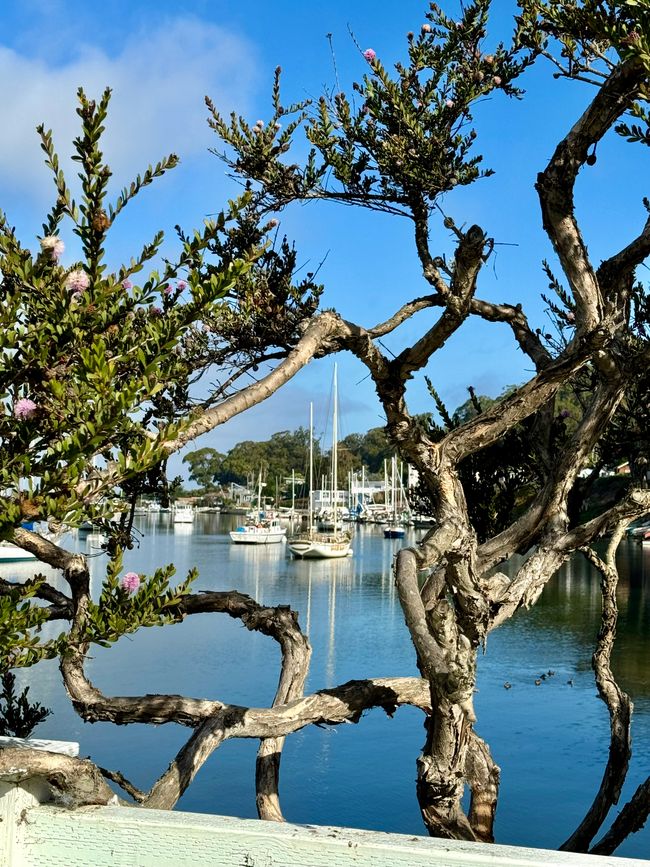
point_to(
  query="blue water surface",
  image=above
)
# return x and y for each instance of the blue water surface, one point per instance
(550, 740)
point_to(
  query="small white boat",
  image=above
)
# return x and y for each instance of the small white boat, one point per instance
(638, 529)
(10, 553)
(183, 514)
(394, 531)
(259, 533)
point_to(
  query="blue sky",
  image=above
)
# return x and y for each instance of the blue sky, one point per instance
(162, 57)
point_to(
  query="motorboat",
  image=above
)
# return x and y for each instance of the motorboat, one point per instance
(261, 532)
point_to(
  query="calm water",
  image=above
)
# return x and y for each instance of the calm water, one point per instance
(550, 741)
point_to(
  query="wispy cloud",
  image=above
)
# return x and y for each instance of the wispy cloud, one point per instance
(158, 78)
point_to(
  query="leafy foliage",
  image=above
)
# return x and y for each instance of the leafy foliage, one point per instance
(404, 144)
(205, 465)
(91, 353)
(118, 612)
(21, 622)
(18, 717)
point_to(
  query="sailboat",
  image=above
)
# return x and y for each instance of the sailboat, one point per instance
(395, 529)
(260, 530)
(316, 545)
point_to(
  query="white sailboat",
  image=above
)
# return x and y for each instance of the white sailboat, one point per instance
(394, 530)
(260, 530)
(316, 545)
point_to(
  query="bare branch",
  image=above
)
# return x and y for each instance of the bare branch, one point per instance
(613, 271)
(631, 819)
(340, 704)
(116, 777)
(555, 186)
(405, 312)
(487, 427)
(170, 786)
(430, 270)
(528, 341)
(45, 550)
(320, 329)
(635, 504)
(468, 261)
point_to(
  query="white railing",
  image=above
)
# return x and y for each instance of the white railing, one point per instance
(34, 832)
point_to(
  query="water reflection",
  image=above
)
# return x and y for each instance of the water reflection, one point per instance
(550, 739)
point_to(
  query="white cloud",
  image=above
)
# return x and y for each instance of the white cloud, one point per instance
(158, 78)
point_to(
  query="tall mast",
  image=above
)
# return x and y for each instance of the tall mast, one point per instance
(311, 467)
(334, 449)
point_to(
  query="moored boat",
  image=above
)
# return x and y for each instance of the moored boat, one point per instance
(259, 533)
(10, 553)
(183, 514)
(314, 544)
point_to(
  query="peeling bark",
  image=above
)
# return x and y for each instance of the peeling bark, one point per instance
(483, 777)
(619, 704)
(74, 782)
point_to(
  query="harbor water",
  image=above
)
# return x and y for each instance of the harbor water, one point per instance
(550, 740)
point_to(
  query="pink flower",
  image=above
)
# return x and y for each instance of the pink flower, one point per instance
(130, 582)
(126, 284)
(497, 80)
(426, 28)
(52, 246)
(181, 285)
(369, 54)
(77, 281)
(168, 289)
(155, 311)
(450, 103)
(25, 408)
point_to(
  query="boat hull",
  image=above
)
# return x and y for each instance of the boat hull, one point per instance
(257, 536)
(319, 549)
(13, 554)
(394, 532)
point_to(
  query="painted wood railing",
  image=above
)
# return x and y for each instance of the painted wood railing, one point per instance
(34, 832)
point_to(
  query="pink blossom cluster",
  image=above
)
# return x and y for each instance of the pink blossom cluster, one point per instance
(77, 281)
(130, 582)
(169, 289)
(52, 246)
(370, 54)
(25, 408)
